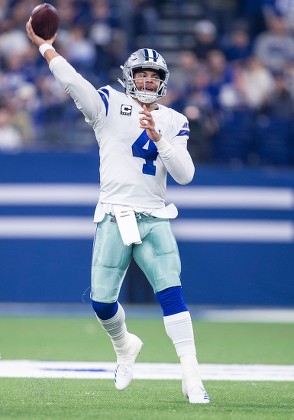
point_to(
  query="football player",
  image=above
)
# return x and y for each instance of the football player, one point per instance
(140, 141)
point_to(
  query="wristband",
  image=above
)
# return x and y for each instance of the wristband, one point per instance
(44, 47)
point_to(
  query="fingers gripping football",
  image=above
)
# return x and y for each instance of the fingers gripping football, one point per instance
(35, 38)
(43, 24)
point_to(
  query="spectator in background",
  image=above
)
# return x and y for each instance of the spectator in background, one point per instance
(203, 126)
(205, 33)
(180, 80)
(273, 133)
(4, 7)
(10, 137)
(220, 74)
(50, 113)
(186, 66)
(237, 44)
(257, 82)
(108, 39)
(12, 39)
(22, 106)
(68, 11)
(198, 108)
(275, 46)
(251, 12)
(80, 50)
(143, 21)
(283, 8)
(18, 11)
(222, 13)
(289, 77)
(232, 95)
(198, 88)
(279, 103)
(15, 74)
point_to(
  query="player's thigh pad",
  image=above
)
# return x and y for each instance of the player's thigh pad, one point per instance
(158, 255)
(110, 261)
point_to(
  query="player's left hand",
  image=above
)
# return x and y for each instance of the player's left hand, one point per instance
(147, 122)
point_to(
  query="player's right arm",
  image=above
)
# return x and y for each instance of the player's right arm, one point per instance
(84, 94)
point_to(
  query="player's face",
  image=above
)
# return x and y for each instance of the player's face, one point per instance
(147, 80)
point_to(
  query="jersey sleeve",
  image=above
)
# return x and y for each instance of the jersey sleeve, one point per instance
(175, 155)
(88, 100)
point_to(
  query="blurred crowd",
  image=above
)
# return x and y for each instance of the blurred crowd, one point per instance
(233, 77)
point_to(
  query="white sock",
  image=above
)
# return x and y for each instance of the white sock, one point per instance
(117, 330)
(179, 328)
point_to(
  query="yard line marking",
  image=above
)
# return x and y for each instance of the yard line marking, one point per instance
(156, 371)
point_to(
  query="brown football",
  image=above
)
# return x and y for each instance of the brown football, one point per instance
(45, 20)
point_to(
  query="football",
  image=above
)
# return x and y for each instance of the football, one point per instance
(45, 20)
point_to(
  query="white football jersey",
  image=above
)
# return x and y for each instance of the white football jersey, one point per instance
(133, 169)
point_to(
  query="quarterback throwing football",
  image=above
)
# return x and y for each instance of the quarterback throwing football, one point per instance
(140, 141)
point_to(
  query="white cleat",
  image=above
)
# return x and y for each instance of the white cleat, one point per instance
(196, 395)
(125, 363)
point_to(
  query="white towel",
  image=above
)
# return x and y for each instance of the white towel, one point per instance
(127, 225)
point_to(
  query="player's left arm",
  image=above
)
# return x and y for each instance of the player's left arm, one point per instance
(177, 159)
(174, 154)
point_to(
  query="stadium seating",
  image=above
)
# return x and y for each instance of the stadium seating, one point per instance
(234, 140)
(272, 140)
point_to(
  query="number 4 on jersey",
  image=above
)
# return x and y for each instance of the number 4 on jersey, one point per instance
(149, 153)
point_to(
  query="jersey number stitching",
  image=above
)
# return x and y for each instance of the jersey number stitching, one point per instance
(149, 154)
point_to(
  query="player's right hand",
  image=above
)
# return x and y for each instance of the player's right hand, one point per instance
(147, 123)
(35, 38)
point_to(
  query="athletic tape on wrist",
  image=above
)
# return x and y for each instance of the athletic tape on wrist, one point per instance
(44, 47)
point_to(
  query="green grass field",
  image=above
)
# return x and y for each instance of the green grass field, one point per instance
(82, 339)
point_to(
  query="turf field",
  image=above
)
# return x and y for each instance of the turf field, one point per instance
(81, 339)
